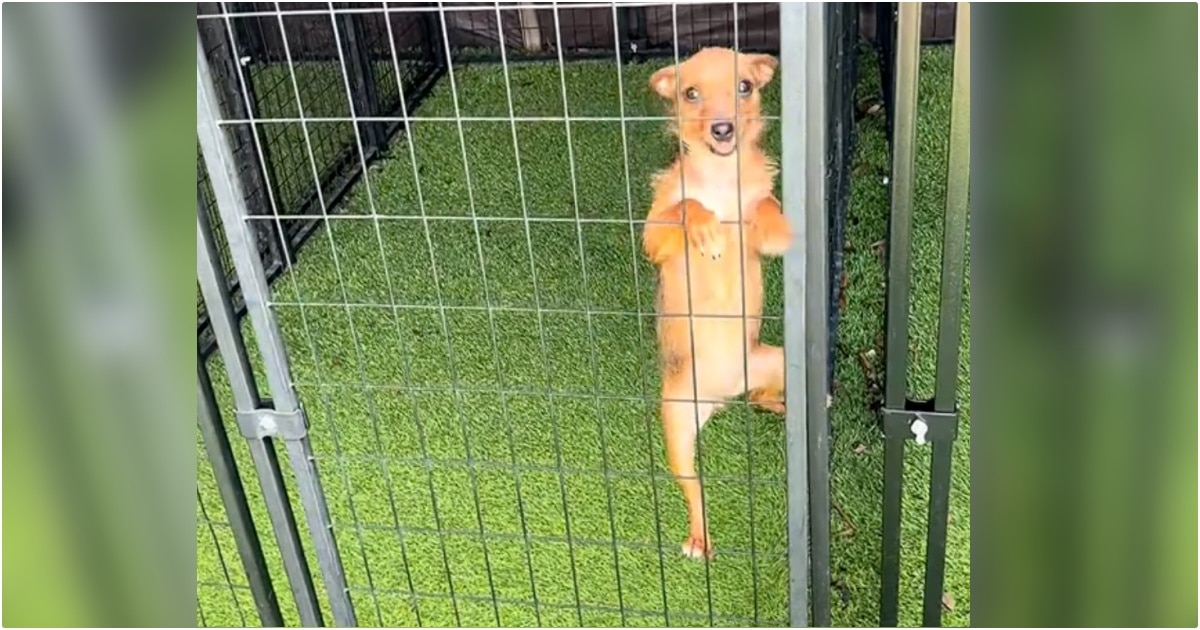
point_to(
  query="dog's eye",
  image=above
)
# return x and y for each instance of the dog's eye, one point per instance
(744, 87)
(692, 94)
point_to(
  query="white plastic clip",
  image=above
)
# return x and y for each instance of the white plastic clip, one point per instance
(919, 429)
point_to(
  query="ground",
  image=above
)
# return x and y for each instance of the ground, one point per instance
(552, 445)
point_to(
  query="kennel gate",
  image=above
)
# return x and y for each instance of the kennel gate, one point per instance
(257, 256)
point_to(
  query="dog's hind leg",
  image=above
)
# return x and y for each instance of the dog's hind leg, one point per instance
(683, 416)
(766, 378)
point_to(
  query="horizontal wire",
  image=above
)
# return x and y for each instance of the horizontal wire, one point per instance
(445, 8)
(524, 310)
(478, 119)
(455, 217)
(631, 545)
(508, 466)
(511, 537)
(531, 393)
(741, 620)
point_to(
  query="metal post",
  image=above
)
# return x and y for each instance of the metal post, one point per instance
(899, 252)
(233, 497)
(950, 320)
(816, 329)
(361, 75)
(885, 40)
(793, 18)
(245, 397)
(224, 57)
(286, 420)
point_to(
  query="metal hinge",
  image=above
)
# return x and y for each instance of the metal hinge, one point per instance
(269, 423)
(920, 423)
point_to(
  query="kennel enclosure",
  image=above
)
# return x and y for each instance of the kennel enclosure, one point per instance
(307, 116)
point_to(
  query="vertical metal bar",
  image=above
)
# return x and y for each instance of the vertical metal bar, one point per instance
(245, 396)
(900, 223)
(233, 497)
(816, 330)
(893, 471)
(954, 240)
(935, 548)
(950, 320)
(431, 36)
(621, 28)
(361, 75)
(793, 19)
(231, 204)
(899, 253)
(885, 40)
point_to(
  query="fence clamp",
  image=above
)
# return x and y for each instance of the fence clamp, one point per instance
(919, 422)
(269, 423)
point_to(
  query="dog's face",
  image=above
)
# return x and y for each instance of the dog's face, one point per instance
(716, 94)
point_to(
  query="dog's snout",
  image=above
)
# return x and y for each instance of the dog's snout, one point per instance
(722, 131)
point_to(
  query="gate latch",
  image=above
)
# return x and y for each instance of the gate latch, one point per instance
(919, 422)
(270, 423)
(919, 429)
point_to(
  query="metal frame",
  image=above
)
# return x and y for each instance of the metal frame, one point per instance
(248, 263)
(932, 422)
(805, 340)
(233, 497)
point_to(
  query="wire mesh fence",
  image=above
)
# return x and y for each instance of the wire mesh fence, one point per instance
(447, 204)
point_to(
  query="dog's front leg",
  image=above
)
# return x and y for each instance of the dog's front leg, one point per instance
(667, 228)
(770, 234)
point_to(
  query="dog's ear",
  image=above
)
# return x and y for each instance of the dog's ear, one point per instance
(663, 82)
(761, 68)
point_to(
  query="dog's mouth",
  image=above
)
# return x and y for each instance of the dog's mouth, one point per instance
(728, 151)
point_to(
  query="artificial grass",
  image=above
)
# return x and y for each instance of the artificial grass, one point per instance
(514, 389)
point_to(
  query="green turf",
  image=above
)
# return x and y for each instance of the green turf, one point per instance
(547, 404)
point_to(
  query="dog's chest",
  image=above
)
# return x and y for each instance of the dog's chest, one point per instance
(724, 197)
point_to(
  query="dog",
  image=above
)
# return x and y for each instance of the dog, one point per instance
(707, 239)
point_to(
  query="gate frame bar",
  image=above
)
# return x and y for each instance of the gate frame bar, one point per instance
(931, 421)
(233, 497)
(245, 396)
(803, 119)
(283, 417)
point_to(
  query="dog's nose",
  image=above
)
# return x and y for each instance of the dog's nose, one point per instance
(722, 131)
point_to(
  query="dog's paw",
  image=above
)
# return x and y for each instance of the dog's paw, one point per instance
(769, 401)
(704, 231)
(698, 548)
(774, 407)
(774, 234)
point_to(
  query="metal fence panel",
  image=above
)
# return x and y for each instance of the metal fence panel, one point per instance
(401, 300)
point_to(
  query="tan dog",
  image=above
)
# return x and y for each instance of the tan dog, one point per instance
(710, 299)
